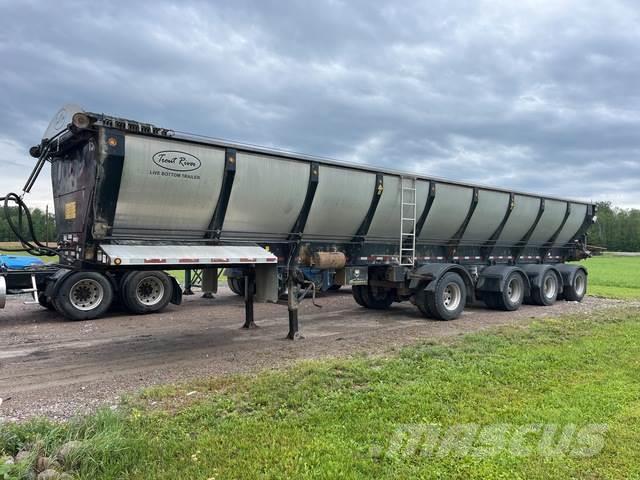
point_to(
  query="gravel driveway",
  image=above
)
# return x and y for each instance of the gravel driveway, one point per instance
(55, 368)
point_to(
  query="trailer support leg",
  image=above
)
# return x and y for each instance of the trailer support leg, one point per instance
(249, 288)
(292, 303)
(187, 282)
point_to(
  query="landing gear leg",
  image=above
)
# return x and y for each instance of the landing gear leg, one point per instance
(187, 282)
(249, 289)
(292, 301)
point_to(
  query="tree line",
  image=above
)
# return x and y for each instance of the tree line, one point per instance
(617, 229)
(44, 227)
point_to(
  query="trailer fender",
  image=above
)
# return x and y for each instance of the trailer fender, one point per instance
(176, 297)
(494, 278)
(55, 281)
(535, 272)
(568, 272)
(432, 272)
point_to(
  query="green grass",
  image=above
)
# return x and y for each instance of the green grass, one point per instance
(329, 419)
(614, 277)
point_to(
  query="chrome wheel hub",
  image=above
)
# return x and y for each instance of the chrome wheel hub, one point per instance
(86, 294)
(451, 296)
(150, 291)
(549, 287)
(514, 291)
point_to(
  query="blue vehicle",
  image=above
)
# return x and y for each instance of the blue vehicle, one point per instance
(13, 262)
(21, 275)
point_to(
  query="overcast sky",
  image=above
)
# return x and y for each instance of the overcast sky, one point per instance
(538, 96)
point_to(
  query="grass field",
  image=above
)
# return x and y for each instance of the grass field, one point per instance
(530, 402)
(614, 276)
(353, 418)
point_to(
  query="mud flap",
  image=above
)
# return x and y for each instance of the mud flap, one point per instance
(266, 283)
(176, 298)
(54, 282)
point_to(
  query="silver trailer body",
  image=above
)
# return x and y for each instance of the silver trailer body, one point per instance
(132, 198)
(159, 196)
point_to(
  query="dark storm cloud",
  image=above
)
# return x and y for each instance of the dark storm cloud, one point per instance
(541, 96)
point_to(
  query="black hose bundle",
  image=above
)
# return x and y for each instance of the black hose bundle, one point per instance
(32, 246)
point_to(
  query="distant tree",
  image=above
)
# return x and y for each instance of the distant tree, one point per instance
(41, 226)
(617, 229)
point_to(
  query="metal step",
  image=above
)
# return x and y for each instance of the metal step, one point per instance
(33, 291)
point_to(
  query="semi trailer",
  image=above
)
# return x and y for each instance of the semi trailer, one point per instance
(134, 202)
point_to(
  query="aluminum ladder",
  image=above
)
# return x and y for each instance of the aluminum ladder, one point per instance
(407, 221)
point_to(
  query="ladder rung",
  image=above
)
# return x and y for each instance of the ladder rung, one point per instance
(408, 202)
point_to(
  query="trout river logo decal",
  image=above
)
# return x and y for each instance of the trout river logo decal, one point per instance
(177, 161)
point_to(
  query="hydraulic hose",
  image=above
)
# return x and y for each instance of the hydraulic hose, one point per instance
(36, 248)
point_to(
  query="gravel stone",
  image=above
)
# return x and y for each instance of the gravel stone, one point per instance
(49, 474)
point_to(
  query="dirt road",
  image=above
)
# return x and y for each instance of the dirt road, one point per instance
(55, 368)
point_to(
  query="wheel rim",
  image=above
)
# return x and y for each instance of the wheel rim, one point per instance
(150, 291)
(86, 294)
(514, 290)
(451, 296)
(580, 284)
(549, 286)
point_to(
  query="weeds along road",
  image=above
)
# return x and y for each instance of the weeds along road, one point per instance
(56, 368)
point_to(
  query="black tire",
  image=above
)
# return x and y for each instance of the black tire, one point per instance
(356, 291)
(491, 300)
(547, 293)
(45, 302)
(236, 285)
(146, 292)
(423, 304)
(578, 288)
(334, 288)
(84, 296)
(511, 297)
(378, 298)
(373, 297)
(123, 284)
(450, 288)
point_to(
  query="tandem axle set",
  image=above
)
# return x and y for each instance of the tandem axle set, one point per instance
(134, 201)
(439, 290)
